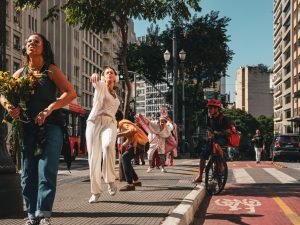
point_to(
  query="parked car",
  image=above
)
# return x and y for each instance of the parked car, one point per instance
(285, 146)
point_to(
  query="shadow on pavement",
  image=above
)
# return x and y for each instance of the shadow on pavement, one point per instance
(108, 214)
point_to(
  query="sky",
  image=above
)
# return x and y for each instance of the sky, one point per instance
(250, 33)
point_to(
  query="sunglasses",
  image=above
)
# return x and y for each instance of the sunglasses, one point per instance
(34, 42)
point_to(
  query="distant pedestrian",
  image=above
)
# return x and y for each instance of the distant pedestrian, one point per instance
(159, 131)
(234, 142)
(259, 145)
(101, 133)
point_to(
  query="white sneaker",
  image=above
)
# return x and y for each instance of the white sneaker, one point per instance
(149, 170)
(94, 198)
(45, 221)
(112, 189)
(163, 170)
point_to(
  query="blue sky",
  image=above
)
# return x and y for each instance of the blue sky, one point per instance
(250, 31)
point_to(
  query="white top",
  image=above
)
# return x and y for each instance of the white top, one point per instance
(103, 102)
(157, 138)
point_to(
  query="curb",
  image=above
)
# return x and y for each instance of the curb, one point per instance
(184, 213)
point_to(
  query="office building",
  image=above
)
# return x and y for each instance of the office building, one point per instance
(253, 91)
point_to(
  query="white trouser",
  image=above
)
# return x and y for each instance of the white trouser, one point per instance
(150, 153)
(101, 137)
(258, 153)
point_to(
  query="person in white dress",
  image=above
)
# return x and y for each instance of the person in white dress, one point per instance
(159, 132)
(101, 133)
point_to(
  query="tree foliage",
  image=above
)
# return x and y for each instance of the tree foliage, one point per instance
(205, 42)
(102, 15)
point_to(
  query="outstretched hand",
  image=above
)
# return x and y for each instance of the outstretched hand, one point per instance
(94, 78)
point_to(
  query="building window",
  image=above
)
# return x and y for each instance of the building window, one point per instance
(16, 66)
(287, 83)
(7, 33)
(287, 99)
(17, 17)
(288, 114)
(17, 45)
(29, 21)
(32, 23)
(7, 64)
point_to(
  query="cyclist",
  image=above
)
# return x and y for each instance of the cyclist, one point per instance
(218, 129)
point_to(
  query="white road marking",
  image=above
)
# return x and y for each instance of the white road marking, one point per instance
(236, 204)
(280, 176)
(242, 177)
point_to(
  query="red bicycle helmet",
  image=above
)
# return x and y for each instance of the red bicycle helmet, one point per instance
(214, 102)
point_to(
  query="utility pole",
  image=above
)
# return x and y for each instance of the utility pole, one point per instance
(10, 186)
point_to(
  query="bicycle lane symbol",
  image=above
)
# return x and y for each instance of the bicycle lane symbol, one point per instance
(235, 204)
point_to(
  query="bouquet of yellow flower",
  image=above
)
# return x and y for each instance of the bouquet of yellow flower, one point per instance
(17, 91)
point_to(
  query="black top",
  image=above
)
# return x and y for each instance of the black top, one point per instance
(45, 93)
(258, 141)
(220, 124)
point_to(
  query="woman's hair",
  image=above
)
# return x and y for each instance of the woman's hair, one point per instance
(109, 67)
(48, 55)
(115, 72)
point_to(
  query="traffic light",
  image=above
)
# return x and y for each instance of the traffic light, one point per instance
(121, 72)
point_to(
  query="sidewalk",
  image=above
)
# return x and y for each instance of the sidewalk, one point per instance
(165, 198)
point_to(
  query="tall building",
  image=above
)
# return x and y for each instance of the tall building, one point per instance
(286, 56)
(253, 91)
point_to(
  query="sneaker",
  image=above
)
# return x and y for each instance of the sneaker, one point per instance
(149, 170)
(163, 170)
(29, 221)
(137, 184)
(94, 198)
(45, 221)
(128, 188)
(112, 188)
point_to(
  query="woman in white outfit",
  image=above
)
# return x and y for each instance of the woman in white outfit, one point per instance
(101, 133)
(159, 132)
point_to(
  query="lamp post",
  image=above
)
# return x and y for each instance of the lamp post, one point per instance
(167, 57)
(175, 74)
(182, 56)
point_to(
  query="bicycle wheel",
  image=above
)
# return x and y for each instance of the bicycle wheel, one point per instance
(214, 180)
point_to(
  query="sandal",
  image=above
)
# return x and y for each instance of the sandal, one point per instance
(197, 180)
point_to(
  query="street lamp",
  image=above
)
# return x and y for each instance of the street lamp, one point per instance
(182, 56)
(167, 57)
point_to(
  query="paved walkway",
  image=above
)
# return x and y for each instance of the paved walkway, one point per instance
(169, 198)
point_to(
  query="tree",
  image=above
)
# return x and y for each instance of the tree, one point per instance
(246, 124)
(205, 41)
(102, 15)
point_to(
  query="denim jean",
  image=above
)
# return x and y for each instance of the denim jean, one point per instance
(130, 174)
(231, 152)
(39, 172)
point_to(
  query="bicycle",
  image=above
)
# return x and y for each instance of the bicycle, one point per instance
(215, 180)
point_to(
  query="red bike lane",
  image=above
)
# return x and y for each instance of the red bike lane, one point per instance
(263, 203)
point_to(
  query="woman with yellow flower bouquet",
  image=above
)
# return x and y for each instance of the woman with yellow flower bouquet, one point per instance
(42, 127)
